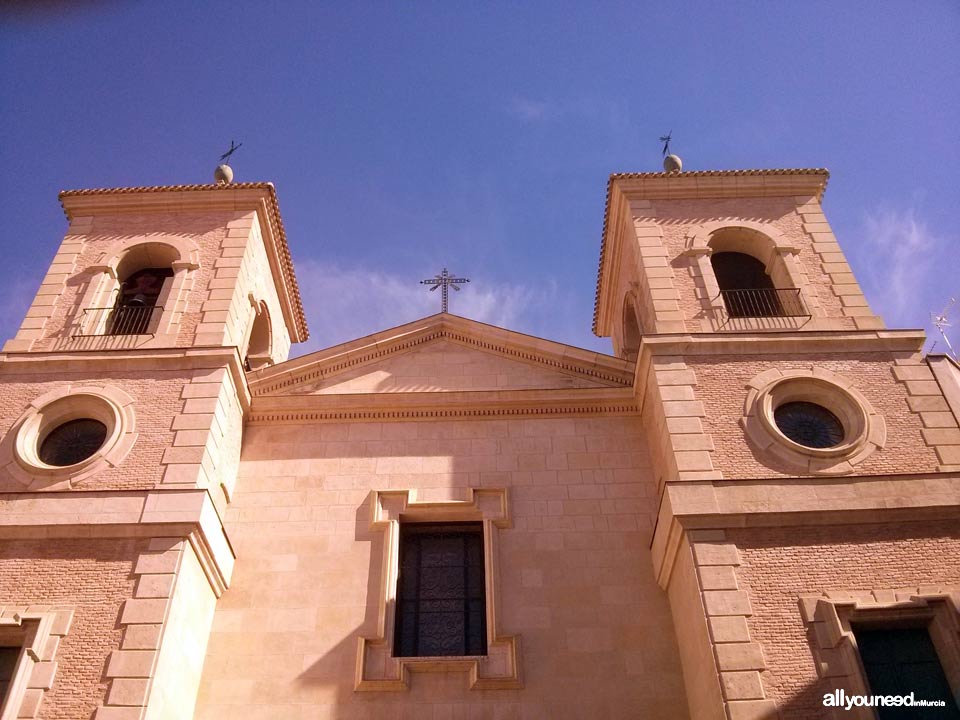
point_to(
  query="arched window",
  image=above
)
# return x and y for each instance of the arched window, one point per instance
(137, 300)
(738, 271)
(260, 345)
(138, 287)
(747, 289)
(143, 278)
(631, 331)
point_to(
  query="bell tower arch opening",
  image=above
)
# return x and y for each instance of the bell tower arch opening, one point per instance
(260, 343)
(631, 330)
(144, 273)
(745, 286)
(750, 275)
(135, 289)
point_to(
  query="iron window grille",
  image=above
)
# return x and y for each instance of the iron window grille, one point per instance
(764, 302)
(119, 320)
(441, 608)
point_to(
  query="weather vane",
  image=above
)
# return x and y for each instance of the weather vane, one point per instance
(233, 148)
(665, 139)
(444, 281)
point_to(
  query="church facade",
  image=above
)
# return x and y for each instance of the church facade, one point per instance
(748, 511)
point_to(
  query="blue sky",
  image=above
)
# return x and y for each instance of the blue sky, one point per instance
(404, 137)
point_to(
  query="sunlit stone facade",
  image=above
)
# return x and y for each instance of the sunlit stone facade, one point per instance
(194, 526)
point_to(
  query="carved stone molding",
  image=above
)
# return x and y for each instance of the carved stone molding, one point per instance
(377, 668)
(106, 403)
(39, 629)
(865, 430)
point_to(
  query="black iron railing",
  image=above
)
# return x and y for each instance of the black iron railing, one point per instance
(123, 320)
(765, 302)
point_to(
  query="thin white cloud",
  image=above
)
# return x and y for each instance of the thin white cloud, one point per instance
(906, 279)
(342, 303)
(904, 248)
(529, 110)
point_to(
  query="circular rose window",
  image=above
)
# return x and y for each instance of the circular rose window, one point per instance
(809, 424)
(811, 420)
(72, 442)
(71, 433)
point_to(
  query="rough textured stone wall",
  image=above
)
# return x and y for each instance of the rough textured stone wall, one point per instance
(778, 565)
(92, 575)
(157, 394)
(721, 386)
(576, 579)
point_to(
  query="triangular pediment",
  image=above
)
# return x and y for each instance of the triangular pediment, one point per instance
(443, 353)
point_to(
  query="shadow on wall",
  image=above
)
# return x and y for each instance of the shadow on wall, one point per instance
(575, 568)
(341, 654)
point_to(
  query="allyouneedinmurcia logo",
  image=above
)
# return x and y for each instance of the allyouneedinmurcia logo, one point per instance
(839, 698)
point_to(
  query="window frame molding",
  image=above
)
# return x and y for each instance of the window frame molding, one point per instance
(104, 281)
(630, 337)
(830, 619)
(866, 428)
(377, 669)
(107, 403)
(36, 667)
(264, 358)
(762, 241)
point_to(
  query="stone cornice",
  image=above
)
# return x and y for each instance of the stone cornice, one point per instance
(801, 182)
(797, 342)
(439, 405)
(55, 362)
(469, 333)
(783, 502)
(782, 182)
(260, 197)
(142, 513)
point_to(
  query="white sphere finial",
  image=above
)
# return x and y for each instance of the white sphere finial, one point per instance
(672, 163)
(223, 174)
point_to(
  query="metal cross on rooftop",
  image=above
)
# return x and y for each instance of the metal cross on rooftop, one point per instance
(233, 148)
(444, 281)
(665, 139)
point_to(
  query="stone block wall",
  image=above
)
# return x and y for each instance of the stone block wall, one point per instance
(226, 272)
(241, 279)
(157, 398)
(660, 256)
(787, 216)
(89, 239)
(575, 571)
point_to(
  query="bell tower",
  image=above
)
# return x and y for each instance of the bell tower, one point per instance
(183, 266)
(124, 396)
(774, 401)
